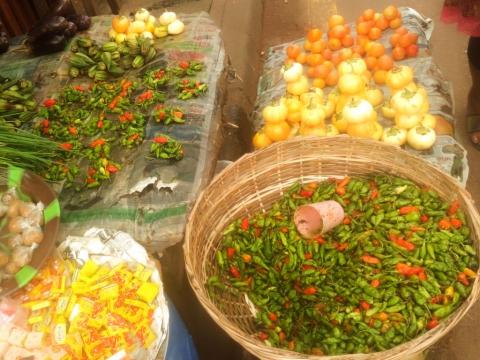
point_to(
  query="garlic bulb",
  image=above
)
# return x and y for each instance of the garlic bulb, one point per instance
(14, 208)
(8, 197)
(21, 255)
(32, 235)
(176, 27)
(12, 268)
(167, 18)
(18, 224)
(3, 259)
(15, 240)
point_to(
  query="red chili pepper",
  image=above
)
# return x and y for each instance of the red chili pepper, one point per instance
(159, 74)
(262, 336)
(424, 218)
(364, 305)
(463, 279)
(79, 88)
(306, 193)
(284, 229)
(346, 220)
(97, 142)
(432, 323)
(160, 140)
(341, 247)
(230, 252)
(416, 228)
(340, 191)
(319, 239)
(344, 182)
(184, 64)
(258, 232)
(66, 146)
(404, 210)
(375, 283)
(234, 271)
(374, 194)
(134, 137)
(282, 336)
(245, 224)
(90, 180)
(91, 171)
(45, 123)
(407, 245)
(437, 299)
(185, 81)
(456, 223)
(444, 224)
(370, 259)
(99, 124)
(310, 290)
(307, 255)
(454, 206)
(73, 130)
(247, 258)
(382, 316)
(307, 267)
(49, 102)
(178, 114)
(112, 169)
(422, 275)
(272, 316)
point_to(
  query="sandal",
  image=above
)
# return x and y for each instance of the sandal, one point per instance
(473, 126)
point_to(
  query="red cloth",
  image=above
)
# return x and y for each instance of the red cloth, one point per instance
(466, 13)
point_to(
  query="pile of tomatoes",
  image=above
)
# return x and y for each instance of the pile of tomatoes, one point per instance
(322, 54)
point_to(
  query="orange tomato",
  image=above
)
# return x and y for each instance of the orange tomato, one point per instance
(288, 61)
(307, 45)
(336, 59)
(277, 132)
(363, 28)
(347, 28)
(398, 53)
(412, 50)
(329, 65)
(413, 37)
(390, 12)
(362, 40)
(334, 44)
(314, 59)
(375, 49)
(368, 14)
(360, 19)
(335, 20)
(120, 24)
(371, 62)
(293, 51)
(375, 33)
(260, 140)
(338, 31)
(394, 39)
(385, 62)
(402, 30)
(358, 49)
(395, 23)
(321, 71)
(311, 71)
(345, 54)
(318, 83)
(301, 58)
(318, 46)
(356, 56)
(327, 54)
(332, 78)
(314, 34)
(382, 23)
(379, 76)
(347, 41)
(404, 40)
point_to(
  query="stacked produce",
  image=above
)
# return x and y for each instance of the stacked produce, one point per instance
(109, 58)
(17, 104)
(145, 25)
(24, 220)
(401, 261)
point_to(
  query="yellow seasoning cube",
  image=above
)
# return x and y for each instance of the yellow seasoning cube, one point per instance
(109, 292)
(145, 275)
(89, 269)
(148, 291)
(60, 331)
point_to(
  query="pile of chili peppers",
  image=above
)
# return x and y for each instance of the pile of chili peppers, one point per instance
(401, 261)
(88, 121)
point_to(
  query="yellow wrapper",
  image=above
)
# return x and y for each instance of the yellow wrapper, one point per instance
(89, 269)
(59, 285)
(109, 292)
(62, 305)
(71, 304)
(137, 303)
(145, 275)
(37, 305)
(60, 331)
(148, 291)
(35, 319)
(98, 286)
(75, 343)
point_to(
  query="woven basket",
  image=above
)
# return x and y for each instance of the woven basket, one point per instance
(257, 180)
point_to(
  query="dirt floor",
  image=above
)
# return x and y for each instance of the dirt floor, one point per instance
(249, 27)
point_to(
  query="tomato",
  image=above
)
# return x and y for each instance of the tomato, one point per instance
(375, 49)
(404, 40)
(347, 41)
(335, 20)
(368, 14)
(312, 97)
(311, 71)
(394, 39)
(381, 23)
(358, 49)
(358, 111)
(385, 62)
(390, 12)
(408, 102)
(352, 66)
(321, 71)
(340, 123)
(314, 34)
(307, 45)
(374, 96)
(334, 44)
(318, 83)
(301, 58)
(313, 131)
(379, 76)
(351, 84)
(277, 131)
(120, 24)
(338, 31)
(412, 50)
(314, 59)
(402, 30)
(298, 87)
(362, 40)
(407, 122)
(318, 46)
(399, 77)
(371, 62)
(293, 51)
(294, 118)
(313, 115)
(375, 33)
(328, 107)
(275, 113)
(336, 58)
(327, 54)
(363, 28)
(332, 78)
(293, 104)
(395, 23)
(261, 140)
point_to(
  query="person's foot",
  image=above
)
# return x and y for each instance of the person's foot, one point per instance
(475, 137)
(473, 128)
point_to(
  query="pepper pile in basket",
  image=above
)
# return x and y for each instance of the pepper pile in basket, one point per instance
(401, 261)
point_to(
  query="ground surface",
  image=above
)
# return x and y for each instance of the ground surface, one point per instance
(249, 27)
